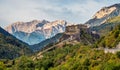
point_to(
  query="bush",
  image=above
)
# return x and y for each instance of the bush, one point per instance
(25, 63)
(118, 54)
(116, 34)
(2, 66)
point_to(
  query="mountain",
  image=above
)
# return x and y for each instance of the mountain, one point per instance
(107, 26)
(11, 47)
(103, 14)
(36, 31)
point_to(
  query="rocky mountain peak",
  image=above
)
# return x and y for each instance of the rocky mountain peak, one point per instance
(35, 31)
(27, 27)
(103, 14)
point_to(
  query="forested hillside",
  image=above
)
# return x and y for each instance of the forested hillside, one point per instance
(72, 57)
(111, 40)
(10, 47)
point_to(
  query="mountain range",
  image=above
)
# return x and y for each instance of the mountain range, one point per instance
(36, 31)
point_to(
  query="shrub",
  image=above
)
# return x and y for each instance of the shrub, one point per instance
(118, 54)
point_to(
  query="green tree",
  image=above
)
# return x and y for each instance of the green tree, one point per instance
(116, 34)
(24, 63)
(118, 54)
(2, 66)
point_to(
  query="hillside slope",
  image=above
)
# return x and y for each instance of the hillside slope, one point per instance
(106, 27)
(11, 47)
(111, 40)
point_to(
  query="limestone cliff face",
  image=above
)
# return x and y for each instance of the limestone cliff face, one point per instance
(36, 31)
(103, 14)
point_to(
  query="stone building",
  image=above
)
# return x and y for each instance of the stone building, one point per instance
(73, 32)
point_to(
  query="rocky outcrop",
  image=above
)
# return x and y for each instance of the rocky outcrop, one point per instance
(80, 33)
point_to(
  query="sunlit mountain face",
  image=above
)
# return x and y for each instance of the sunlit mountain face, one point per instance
(36, 31)
(103, 14)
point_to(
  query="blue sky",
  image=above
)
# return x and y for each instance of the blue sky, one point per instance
(76, 11)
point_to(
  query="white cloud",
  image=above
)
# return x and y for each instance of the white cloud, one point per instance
(26, 10)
